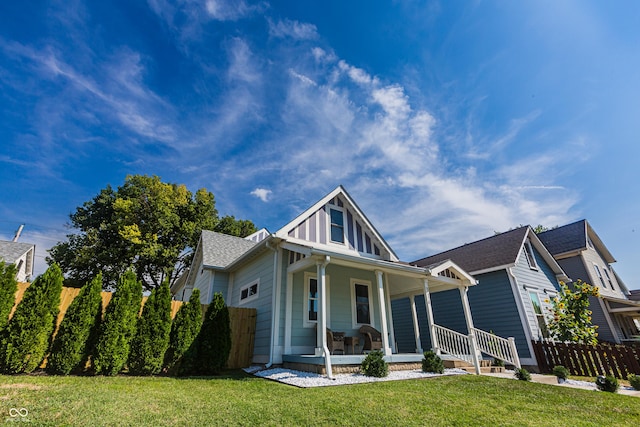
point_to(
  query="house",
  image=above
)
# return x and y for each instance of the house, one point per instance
(328, 269)
(516, 277)
(583, 255)
(20, 254)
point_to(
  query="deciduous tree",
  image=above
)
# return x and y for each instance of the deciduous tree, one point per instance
(571, 317)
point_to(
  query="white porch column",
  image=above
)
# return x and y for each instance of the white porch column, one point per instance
(323, 349)
(288, 315)
(472, 335)
(383, 315)
(416, 327)
(432, 329)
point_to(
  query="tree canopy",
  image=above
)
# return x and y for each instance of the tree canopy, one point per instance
(146, 224)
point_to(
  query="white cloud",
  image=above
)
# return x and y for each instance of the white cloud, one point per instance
(233, 10)
(262, 194)
(292, 29)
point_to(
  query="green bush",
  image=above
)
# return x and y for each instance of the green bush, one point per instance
(8, 288)
(78, 330)
(27, 337)
(432, 363)
(497, 362)
(608, 383)
(374, 365)
(522, 374)
(210, 350)
(118, 327)
(152, 336)
(561, 372)
(184, 330)
(634, 380)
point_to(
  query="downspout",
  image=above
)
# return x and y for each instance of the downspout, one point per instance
(275, 301)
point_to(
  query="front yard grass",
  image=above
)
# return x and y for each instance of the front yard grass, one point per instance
(240, 399)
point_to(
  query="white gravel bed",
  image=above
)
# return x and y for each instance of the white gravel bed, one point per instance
(308, 379)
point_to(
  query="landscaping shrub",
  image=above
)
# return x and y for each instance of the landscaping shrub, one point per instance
(634, 380)
(27, 337)
(522, 374)
(78, 330)
(561, 372)
(497, 362)
(119, 326)
(432, 363)
(209, 352)
(152, 336)
(184, 330)
(8, 288)
(374, 365)
(608, 383)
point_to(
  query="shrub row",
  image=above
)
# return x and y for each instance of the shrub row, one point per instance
(87, 342)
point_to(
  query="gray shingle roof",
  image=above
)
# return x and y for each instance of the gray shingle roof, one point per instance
(564, 239)
(11, 251)
(494, 251)
(220, 250)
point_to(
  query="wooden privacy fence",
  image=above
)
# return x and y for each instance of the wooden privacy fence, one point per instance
(588, 360)
(243, 322)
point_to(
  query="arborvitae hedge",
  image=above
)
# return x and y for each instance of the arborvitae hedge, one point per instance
(152, 336)
(118, 327)
(213, 343)
(184, 330)
(8, 287)
(27, 337)
(78, 330)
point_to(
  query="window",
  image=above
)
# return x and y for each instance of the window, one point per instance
(599, 276)
(361, 299)
(337, 225)
(606, 273)
(249, 292)
(537, 309)
(531, 259)
(312, 300)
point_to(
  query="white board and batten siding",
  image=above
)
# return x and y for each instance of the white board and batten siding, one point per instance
(258, 270)
(316, 229)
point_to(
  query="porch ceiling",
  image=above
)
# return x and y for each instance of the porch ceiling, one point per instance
(403, 286)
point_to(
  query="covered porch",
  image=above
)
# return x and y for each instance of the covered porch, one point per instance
(390, 281)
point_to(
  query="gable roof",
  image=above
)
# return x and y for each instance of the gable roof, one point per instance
(11, 251)
(286, 231)
(573, 237)
(220, 250)
(495, 251)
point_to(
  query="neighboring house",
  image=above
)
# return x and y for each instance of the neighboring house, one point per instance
(516, 277)
(328, 268)
(20, 254)
(583, 255)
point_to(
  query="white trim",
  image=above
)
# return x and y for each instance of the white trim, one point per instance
(599, 275)
(530, 290)
(232, 276)
(288, 315)
(522, 312)
(345, 239)
(249, 297)
(306, 323)
(354, 315)
(530, 255)
(392, 335)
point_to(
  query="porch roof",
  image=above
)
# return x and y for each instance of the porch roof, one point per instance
(402, 279)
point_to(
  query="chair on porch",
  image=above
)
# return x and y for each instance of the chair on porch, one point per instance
(335, 340)
(372, 338)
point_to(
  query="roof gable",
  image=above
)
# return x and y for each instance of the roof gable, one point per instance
(220, 250)
(314, 227)
(573, 237)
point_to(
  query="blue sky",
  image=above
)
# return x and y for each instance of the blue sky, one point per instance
(444, 120)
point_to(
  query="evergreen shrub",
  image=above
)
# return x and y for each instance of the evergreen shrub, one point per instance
(184, 330)
(522, 374)
(608, 383)
(8, 288)
(374, 365)
(152, 336)
(78, 330)
(432, 363)
(634, 380)
(27, 337)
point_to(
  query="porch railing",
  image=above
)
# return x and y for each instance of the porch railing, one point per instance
(498, 347)
(454, 343)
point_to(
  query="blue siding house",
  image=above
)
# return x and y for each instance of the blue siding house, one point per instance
(328, 269)
(516, 275)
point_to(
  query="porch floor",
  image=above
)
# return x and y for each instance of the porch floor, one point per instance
(348, 363)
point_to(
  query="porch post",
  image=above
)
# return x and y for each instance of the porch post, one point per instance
(383, 314)
(288, 315)
(472, 335)
(432, 328)
(323, 349)
(416, 327)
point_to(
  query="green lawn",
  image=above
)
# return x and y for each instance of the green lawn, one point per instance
(239, 399)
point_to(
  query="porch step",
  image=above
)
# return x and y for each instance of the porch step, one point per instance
(485, 366)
